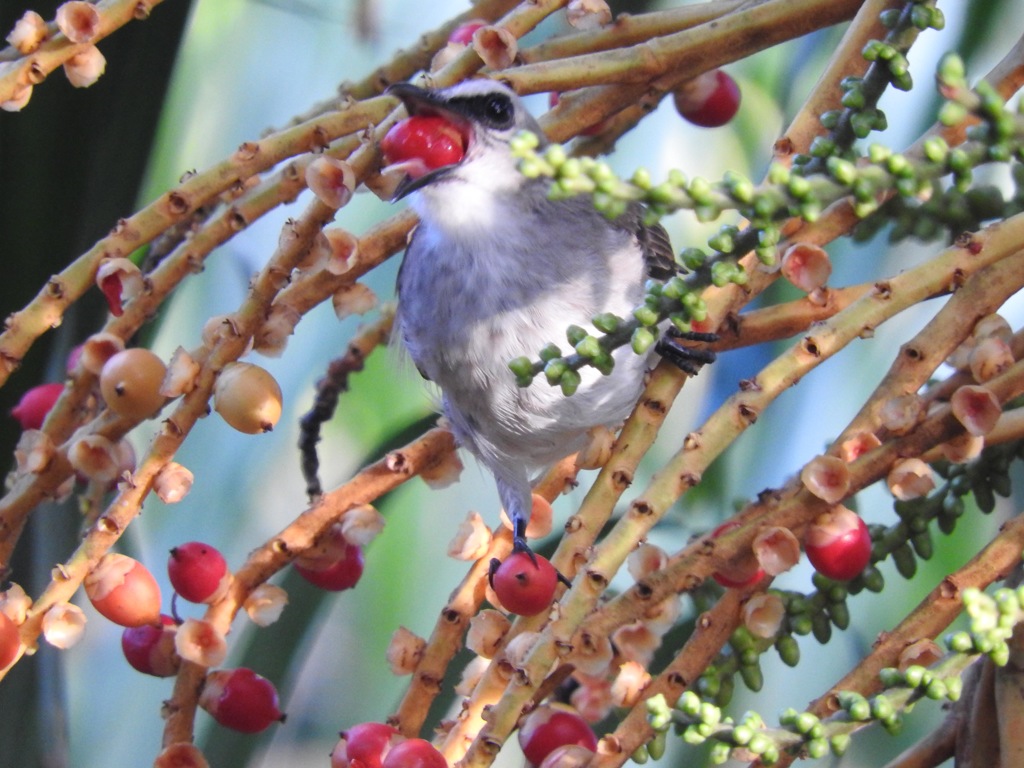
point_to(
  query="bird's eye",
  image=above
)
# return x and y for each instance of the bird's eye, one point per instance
(499, 111)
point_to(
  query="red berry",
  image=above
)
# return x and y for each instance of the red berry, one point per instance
(414, 753)
(709, 100)
(463, 33)
(525, 583)
(425, 142)
(367, 742)
(551, 726)
(150, 649)
(241, 700)
(31, 410)
(741, 575)
(124, 591)
(335, 576)
(10, 641)
(838, 544)
(197, 571)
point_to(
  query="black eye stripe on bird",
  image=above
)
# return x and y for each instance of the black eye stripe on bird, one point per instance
(495, 270)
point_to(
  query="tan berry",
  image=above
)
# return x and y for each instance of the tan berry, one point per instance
(95, 457)
(130, 383)
(910, 479)
(486, 631)
(248, 398)
(198, 641)
(496, 46)
(977, 408)
(763, 614)
(28, 32)
(472, 540)
(332, 181)
(124, 591)
(776, 549)
(181, 376)
(827, 477)
(86, 67)
(63, 625)
(265, 604)
(806, 266)
(353, 299)
(98, 349)
(79, 21)
(990, 357)
(404, 651)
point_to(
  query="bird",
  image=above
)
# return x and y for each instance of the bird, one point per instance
(496, 269)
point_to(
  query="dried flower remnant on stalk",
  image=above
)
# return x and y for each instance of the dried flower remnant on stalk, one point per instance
(405, 651)
(333, 181)
(777, 550)
(588, 15)
(808, 267)
(63, 625)
(472, 540)
(198, 641)
(910, 479)
(827, 477)
(265, 604)
(496, 46)
(79, 21)
(85, 67)
(763, 614)
(28, 32)
(977, 408)
(487, 630)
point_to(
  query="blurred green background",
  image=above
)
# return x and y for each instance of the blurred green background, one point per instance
(182, 91)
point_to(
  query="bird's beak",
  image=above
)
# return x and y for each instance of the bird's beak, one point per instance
(421, 101)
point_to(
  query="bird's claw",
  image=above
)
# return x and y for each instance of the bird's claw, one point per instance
(687, 359)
